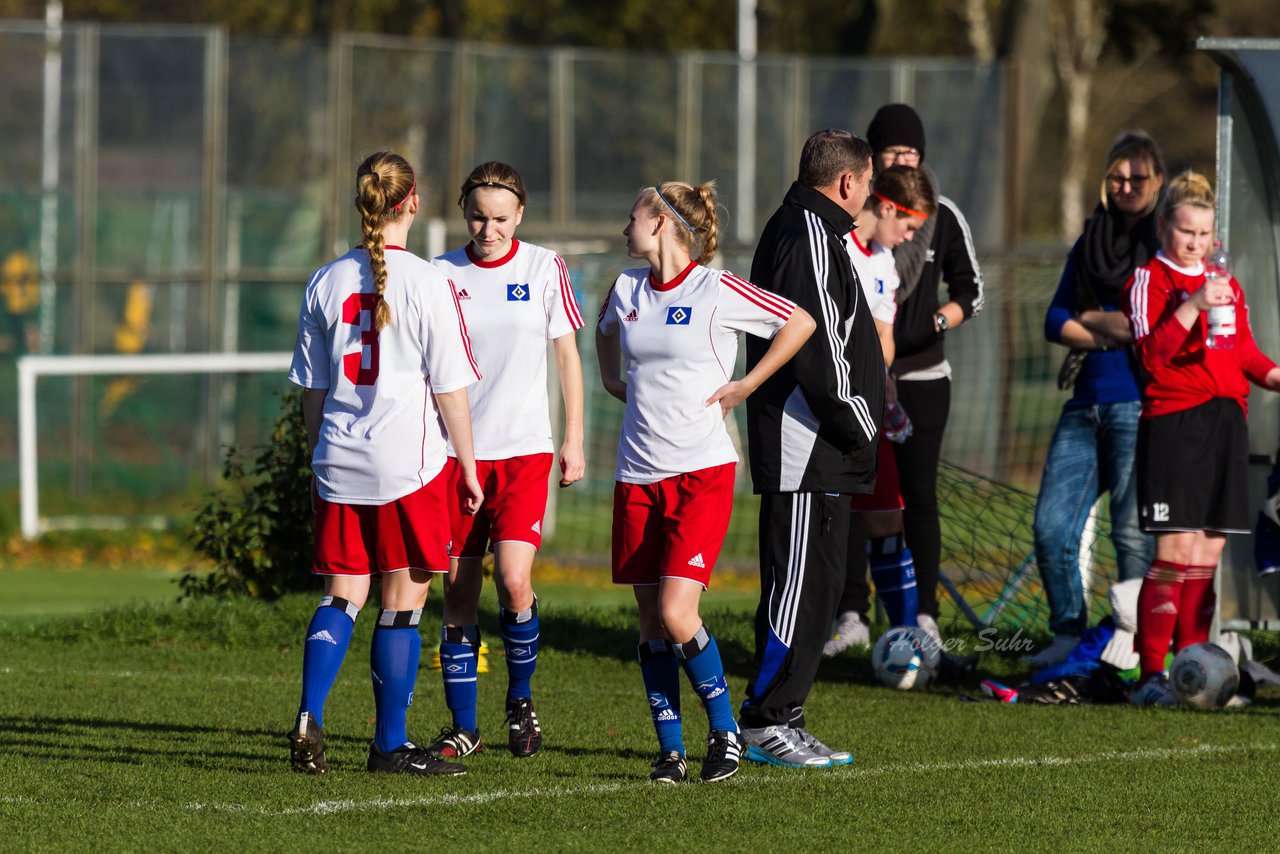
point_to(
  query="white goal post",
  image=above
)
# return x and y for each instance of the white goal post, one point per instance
(30, 368)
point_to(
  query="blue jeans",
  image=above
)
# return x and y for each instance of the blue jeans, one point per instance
(1092, 452)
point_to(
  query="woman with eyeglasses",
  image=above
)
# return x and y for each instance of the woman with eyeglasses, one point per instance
(1093, 447)
(942, 251)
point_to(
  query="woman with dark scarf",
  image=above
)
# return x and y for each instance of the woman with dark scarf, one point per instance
(1093, 446)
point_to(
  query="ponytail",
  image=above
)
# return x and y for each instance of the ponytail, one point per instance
(694, 212)
(381, 178)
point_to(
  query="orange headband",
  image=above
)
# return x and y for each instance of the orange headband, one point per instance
(905, 210)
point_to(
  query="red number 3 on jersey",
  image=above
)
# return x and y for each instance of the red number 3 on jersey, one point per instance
(357, 310)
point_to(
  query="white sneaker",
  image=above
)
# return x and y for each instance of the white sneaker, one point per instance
(930, 626)
(1054, 653)
(851, 630)
(781, 745)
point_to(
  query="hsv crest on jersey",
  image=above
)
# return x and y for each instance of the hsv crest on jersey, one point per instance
(517, 293)
(679, 315)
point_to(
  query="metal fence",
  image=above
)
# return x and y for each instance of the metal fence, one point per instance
(169, 190)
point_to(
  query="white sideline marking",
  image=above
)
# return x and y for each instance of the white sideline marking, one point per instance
(380, 804)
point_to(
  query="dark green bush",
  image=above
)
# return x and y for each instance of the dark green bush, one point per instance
(257, 528)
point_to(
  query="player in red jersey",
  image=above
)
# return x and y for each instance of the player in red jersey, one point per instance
(516, 298)
(383, 358)
(1193, 444)
(677, 324)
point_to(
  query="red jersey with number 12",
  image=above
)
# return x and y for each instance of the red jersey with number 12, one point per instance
(381, 437)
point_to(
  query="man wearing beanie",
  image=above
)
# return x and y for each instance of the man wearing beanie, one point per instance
(942, 250)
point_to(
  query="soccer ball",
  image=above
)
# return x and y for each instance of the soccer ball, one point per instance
(905, 657)
(1203, 675)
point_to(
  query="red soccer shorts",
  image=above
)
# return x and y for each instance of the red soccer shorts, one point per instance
(887, 496)
(515, 500)
(673, 528)
(409, 533)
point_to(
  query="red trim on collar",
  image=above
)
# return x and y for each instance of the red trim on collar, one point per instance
(401, 248)
(515, 244)
(674, 283)
(866, 250)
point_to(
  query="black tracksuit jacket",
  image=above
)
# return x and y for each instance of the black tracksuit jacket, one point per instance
(813, 426)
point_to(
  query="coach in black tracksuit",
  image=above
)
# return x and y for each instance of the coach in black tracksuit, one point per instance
(812, 427)
(941, 252)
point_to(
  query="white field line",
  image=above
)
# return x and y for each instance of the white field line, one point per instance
(1157, 754)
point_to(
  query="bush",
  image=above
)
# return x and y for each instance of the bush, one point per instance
(257, 529)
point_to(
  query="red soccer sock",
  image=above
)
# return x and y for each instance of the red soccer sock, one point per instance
(1158, 613)
(1195, 606)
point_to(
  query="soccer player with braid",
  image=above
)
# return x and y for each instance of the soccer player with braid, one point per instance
(516, 298)
(383, 359)
(1193, 443)
(676, 322)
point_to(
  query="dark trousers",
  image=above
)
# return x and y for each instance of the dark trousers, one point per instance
(803, 537)
(928, 403)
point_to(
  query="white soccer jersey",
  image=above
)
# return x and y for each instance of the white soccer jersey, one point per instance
(680, 343)
(879, 277)
(382, 437)
(513, 307)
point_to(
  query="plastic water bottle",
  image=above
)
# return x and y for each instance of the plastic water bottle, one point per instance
(897, 424)
(1221, 333)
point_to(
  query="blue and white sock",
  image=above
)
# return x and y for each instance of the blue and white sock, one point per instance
(459, 663)
(393, 660)
(520, 630)
(328, 637)
(894, 572)
(662, 685)
(700, 657)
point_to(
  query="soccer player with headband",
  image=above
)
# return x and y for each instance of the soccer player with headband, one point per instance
(677, 322)
(515, 297)
(380, 343)
(901, 200)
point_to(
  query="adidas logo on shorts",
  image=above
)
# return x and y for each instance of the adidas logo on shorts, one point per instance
(537, 527)
(323, 635)
(697, 561)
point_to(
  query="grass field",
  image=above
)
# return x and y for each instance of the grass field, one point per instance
(160, 726)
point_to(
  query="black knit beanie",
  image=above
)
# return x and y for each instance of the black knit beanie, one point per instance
(896, 124)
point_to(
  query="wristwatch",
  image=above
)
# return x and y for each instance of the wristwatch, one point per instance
(940, 322)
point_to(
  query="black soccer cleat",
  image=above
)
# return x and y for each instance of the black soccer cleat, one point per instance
(724, 753)
(411, 759)
(524, 734)
(455, 743)
(306, 746)
(669, 768)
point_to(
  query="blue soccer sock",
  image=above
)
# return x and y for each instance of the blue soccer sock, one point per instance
(520, 630)
(459, 662)
(662, 684)
(393, 659)
(702, 664)
(894, 572)
(328, 637)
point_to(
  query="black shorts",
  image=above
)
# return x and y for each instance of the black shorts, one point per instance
(1193, 470)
